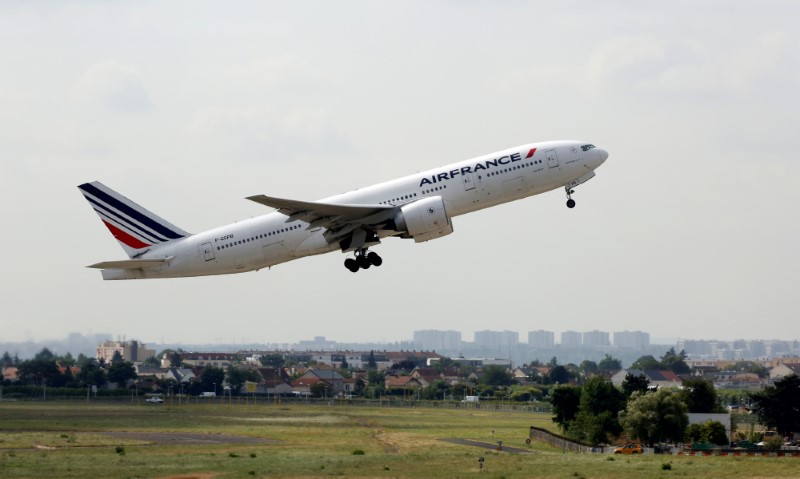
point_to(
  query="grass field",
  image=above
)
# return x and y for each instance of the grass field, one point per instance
(70, 439)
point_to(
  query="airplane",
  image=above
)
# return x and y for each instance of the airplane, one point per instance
(419, 207)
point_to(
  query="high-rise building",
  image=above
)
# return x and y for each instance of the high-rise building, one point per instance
(570, 339)
(596, 339)
(433, 340)
(636, 340)
(540, 339)
(501, 341)
(132, 351)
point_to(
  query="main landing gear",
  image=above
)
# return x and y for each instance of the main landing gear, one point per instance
(363, 260)
(570, 201)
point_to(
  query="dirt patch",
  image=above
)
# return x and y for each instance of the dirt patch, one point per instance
(189, 438)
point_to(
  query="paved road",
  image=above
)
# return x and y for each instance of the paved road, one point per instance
(486, 445)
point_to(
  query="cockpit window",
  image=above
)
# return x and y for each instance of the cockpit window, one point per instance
(587, 147)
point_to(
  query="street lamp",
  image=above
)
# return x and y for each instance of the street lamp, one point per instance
(215, 388)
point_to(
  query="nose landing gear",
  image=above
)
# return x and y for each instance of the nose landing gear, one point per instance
(570, 201)
(363, 260)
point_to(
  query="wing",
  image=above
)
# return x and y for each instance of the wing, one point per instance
(353, 226)
(131, 264)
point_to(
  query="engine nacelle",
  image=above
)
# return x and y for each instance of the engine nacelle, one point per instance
(424, 220)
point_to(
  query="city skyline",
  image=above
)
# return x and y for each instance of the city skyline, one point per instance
(630, 341)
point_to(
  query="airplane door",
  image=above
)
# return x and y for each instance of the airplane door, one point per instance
(208, 251)
(552, 159)
(469, 181)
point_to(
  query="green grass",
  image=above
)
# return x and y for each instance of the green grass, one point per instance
(314, 441)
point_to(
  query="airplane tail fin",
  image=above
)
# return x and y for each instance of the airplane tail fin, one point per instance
(136, 228)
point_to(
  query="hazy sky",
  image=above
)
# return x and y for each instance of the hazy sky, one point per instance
(689, 230)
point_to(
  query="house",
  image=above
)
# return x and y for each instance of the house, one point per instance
(274, 381)
(783, 369)
(657, 378)
(302, 386)
(395, 357)
(426, 376)
(219, 360)
(737, 380)
(10, 374)
(402, 383)
(311, 377)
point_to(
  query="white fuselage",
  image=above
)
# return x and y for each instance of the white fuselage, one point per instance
(465, 187)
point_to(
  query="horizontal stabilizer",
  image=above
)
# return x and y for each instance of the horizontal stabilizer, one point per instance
(131, 264)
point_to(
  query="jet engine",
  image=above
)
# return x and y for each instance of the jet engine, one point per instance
(424, 220)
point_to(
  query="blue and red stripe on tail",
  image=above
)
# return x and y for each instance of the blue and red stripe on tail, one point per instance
(136, 228)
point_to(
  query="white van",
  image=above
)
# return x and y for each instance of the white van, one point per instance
(208, 394)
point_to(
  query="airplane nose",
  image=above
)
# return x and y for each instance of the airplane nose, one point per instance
(600, 155)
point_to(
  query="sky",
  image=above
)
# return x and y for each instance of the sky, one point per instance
(689, 230)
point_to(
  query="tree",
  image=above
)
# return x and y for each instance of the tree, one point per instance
(524, 393)
(212, 378)
(83, 360)
(646, 363)
(120, 372)
(237, 377)
(609, 364)
(40, 371)
(700, 396)
(600, 405)
(67, 360)
(566, 401)
(371, 363)
(44, 355)
(7, 360)
(655, 417)
(404, 365)
(116, 357)
(175, 359)
(152, 362)
(91, 374)
(710, 431)
(778, 406)
(435, 390)
(320, 389)
(588, 367)
(496, 376)
(675, 362)
(558, 375)
(633, 383)
(274, 360)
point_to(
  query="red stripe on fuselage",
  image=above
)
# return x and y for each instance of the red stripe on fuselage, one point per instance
(124, 237)
(530, 153)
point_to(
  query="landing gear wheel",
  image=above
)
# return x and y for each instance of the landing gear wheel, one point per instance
(374, 259)
(570, 201)
(363, 262)
(351, 264)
